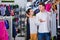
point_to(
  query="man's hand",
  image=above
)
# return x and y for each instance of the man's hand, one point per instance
(42, 20)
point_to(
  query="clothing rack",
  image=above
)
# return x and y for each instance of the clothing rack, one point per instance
(9, 18)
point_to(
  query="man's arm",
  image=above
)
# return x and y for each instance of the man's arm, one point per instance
(37, 19)
(42, 20)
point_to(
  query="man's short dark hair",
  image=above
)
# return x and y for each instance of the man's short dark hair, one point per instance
(41, 3)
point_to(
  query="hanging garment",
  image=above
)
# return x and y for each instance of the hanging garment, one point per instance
(39, 0)
(17, 11)
(16, 6)
(6, 24)
(0, 12)
(3, 31)
(59, 14)
(7, 11)
(11, 7)
(12, 13)
(2, 9)
(14, 33)
(28, 29)
(53, 25)
(36, 11)
(44, 1)
(48, 7)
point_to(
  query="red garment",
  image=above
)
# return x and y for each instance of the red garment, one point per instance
(3, 31)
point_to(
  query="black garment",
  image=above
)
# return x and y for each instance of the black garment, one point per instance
(7, 11)
(14, 33)
(59, 14)
(0, 12)
(28, 29)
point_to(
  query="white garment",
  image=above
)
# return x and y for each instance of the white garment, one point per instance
(43, 26)
(27, 5)
(33, 27)
(53, 24)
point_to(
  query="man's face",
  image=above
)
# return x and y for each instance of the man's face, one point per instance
(41, 7)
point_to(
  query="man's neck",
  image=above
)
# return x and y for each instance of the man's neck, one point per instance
(43, 10)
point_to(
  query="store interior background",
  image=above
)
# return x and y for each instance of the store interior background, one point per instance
(21, 3)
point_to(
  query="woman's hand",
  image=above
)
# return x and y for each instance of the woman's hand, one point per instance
(27, 15)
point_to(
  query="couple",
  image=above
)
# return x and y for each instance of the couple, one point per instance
(42, 20)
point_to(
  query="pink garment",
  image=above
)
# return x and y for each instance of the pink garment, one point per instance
(3, 31)
(12, 12)
(48, 7)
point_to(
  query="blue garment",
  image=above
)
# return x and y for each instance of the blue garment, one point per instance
(6, 24)
(36, 11)
(41, 36)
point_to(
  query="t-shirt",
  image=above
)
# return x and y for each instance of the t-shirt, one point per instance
(33, 27)
(43, 26)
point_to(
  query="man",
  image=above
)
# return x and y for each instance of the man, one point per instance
(43, 21)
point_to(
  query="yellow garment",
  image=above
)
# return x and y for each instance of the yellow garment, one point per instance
(33, 36)
(54, 6)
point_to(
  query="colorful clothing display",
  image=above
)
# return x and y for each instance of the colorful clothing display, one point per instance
(6, 10)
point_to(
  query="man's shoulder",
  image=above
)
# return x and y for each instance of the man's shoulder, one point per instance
(48, 12)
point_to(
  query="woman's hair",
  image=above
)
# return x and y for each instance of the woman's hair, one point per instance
(28, 11)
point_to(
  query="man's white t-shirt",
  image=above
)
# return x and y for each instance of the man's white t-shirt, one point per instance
(43, 26)
(33, 27)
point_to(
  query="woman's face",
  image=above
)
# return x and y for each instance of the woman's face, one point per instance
(31, 12)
